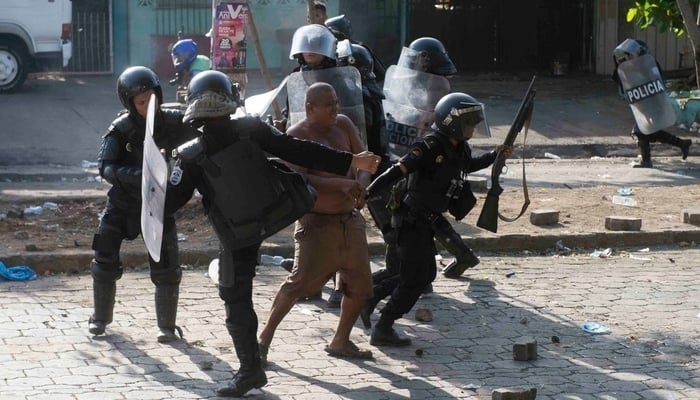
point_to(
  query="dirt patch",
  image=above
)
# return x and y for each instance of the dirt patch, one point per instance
(582, 210)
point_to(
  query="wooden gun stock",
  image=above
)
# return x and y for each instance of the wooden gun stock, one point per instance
(488, 219)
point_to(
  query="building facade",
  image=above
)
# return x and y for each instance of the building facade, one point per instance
(481, 36)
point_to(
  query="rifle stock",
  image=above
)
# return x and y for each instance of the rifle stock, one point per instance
(488, 219)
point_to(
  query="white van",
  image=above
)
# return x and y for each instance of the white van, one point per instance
(33, 33)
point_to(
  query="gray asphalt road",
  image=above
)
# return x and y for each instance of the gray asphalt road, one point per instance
(56, 120)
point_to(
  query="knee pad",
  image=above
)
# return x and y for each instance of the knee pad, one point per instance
(166, 276)
(106, 272)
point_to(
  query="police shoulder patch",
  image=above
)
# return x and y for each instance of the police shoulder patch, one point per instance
(417, 153)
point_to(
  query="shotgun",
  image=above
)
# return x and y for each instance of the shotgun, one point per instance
(488, 219)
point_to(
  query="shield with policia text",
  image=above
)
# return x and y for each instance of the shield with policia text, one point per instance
(646, 93)
(348, 87)
(410, 98)
(154, 181)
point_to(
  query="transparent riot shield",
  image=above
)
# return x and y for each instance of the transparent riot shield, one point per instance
(154, 183)
(410, 98)
(646, 93)
(348, 87)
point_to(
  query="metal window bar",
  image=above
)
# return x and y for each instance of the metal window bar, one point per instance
(92, 44)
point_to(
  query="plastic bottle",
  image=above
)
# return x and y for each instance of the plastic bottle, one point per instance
(32, 211)
(624, 201)
(267, 259)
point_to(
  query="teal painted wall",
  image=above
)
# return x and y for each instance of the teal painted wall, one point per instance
(136, 22)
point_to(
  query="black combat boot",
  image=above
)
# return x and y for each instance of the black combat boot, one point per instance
(452, 242)
(378, 293)
(461, 263)
(645, 151)
(166, 312)
(683, 144)
(384, 334)
(103, 294)
(251, 374)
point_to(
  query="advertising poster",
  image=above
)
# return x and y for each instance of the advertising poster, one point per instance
(228, 46)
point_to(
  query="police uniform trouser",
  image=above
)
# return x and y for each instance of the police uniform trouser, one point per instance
(237, 269)
(115, 226)
(418, 268)
(381, 215)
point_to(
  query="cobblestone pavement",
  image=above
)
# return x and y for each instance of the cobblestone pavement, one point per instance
(649, 300)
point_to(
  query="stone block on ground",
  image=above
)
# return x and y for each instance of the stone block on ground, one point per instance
(544, 217)
(618, 223)
(514, 394)
(691, 216)
(525, 349)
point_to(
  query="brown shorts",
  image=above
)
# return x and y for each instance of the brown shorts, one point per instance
(325, 244)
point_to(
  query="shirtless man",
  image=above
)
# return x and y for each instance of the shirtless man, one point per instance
(331, 238)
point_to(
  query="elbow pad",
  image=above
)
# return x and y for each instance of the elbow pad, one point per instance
(384, 180)
(129, 175)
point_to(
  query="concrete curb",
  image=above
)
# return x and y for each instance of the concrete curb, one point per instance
(75, 261)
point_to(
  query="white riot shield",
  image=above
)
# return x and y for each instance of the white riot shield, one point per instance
(348, 87)
(153, 186)
(646, 94)
(259, 103)
(410, 98)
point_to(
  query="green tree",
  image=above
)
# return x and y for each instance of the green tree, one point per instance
(675, 16)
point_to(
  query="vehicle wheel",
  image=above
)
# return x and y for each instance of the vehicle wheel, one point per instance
(13, 67)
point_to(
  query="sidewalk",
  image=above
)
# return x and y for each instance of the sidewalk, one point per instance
(647, 300)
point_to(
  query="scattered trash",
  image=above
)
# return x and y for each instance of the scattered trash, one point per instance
(267, 259)
(88, 164)
(17, 273)
(602, 253)
(419, 352)
(633, 257)
(181, 237)
(214, 270)
(561, 246)
(624, 201)
(49, 206)
(595, 328)
(471, 386)
(644, 250)
(555, 339)
(510, 274)
(32, 211)
(524, 320)
(552, 156)
(625, 191)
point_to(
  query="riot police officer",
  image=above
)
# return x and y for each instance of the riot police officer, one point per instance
(435, 169)
(313, 47)
(412, 88)
(654, 111)
(120, 163)
(205, 164)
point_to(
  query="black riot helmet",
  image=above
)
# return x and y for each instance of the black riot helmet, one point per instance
(340, 27)
(357, 56)
(211, 94)
(629, 49)
(454, 112)
(431, 57)
(135, 80)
